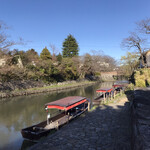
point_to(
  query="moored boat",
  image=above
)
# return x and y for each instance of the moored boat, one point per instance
(69, 107)
(109, 93)
(104, 94)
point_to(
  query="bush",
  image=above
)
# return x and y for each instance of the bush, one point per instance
(32, 75)
(142, 77)
(140, 83)
(130, 86)
(8, 73)
(97, 73)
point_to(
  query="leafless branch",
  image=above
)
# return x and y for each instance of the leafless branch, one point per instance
(144, 26)
(135, 42)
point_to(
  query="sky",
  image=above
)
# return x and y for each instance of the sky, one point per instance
(98, 25)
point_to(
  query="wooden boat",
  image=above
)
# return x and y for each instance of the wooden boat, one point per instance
(118, 88)
(70, 107)
(105, 93)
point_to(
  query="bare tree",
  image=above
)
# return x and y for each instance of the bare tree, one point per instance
(144, 26)
(136, 42)
(54, 51)
(88, 65)
(102, 62)
(110, 61)
(5, 43)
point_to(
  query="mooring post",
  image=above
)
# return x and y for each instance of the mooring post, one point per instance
(111, 96)
(57, 125)
(68, 117)
(121, 92)
(89, 106)
(107, 96)
(104, 97)
(114, 93)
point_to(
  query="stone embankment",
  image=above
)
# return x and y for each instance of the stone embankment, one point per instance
(105, 128)
(141, 119)
(19, 88)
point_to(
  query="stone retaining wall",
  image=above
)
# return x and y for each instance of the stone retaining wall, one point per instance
(141, 119)
(5, 94)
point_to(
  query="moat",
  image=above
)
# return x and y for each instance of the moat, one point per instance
(19, 112)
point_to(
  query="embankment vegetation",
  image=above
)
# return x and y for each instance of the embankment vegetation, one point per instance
(142, 77)
(50, 66)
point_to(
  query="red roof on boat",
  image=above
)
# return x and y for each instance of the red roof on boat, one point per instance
(118, 85)
(104, 90)
(66, 103)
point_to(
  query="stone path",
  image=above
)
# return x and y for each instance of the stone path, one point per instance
(106, 128)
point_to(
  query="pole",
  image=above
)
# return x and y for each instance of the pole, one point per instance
(88, 106)
(104, 97)
(114, 93)
(57, 125)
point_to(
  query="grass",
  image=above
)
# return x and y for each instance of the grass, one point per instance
(19, 92)
(65, 85)
(49, 88)
(117, 98)
(93, 108)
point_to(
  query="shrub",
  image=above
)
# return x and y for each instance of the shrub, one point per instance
(130, 86)
(8, 73)
(142, 77)
(140, 83)
(97, 73)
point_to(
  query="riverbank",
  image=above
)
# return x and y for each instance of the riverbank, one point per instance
(105, 127)
(43, 89)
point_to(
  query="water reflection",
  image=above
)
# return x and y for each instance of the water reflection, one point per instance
(19, 112)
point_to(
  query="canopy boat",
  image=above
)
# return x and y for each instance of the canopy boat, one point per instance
(104, 93)
(118, 85)
(119, 88)
(69, 107)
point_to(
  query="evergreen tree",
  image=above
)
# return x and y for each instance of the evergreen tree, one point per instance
(45, 54)
(59, 57)
(70, 47)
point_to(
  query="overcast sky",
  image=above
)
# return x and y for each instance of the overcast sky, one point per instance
(96, 24)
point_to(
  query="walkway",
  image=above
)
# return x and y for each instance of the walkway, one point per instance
(106, 128)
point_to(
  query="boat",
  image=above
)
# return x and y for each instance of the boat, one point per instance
(119, 88)
(108, 93)
(69, 108)
(104, 93)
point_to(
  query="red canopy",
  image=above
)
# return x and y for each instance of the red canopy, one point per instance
(66, 103)
(104, 90)
(118, 85)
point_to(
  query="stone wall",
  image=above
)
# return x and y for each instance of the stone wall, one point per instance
(141, 119)
(14, 85)
(108, 76)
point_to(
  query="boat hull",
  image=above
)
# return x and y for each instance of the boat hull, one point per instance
(37, 131)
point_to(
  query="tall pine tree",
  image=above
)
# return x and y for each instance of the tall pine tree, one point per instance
(70, 47)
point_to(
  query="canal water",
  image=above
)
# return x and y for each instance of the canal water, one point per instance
(20, 112)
